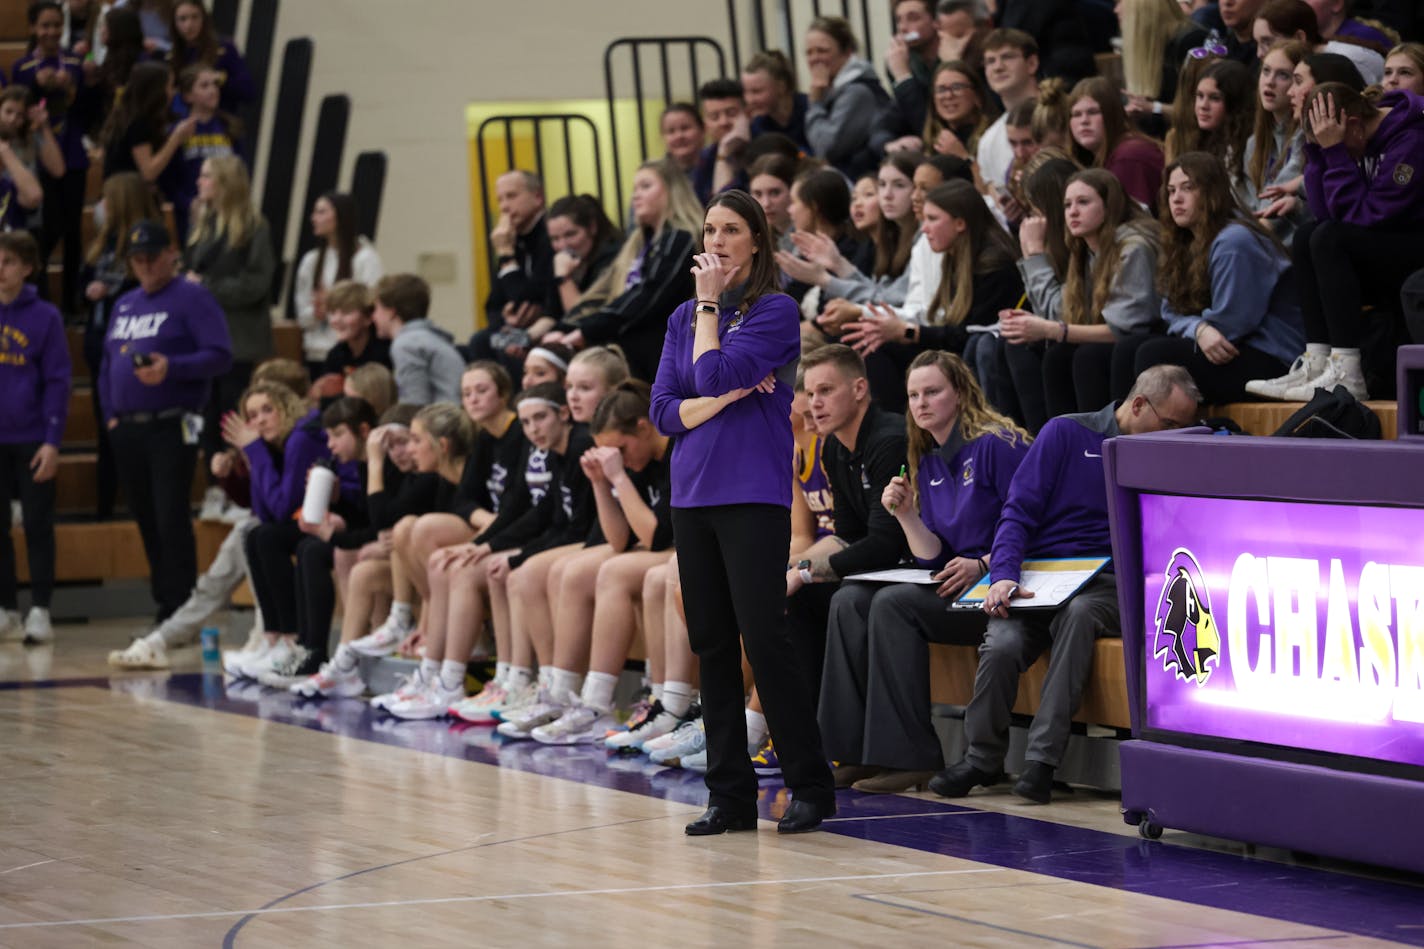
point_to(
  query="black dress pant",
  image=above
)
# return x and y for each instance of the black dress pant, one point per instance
(156, 471)
(316, 595)
(106, 489)
(227, 389)
(37, 509)
(732, 562)
(806, 616)
(270, 547)
(1219, 384)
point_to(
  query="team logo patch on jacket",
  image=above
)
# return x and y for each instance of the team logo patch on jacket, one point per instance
(1403, 174)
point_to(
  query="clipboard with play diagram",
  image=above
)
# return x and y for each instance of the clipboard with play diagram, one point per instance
(1052, 581)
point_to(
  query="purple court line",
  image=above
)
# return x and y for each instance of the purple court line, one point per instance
(1330, 899)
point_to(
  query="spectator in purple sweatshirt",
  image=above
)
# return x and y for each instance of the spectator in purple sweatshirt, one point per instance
(1057, 507)
(167, 340)
(875, 692)
(196, 42)
(1363, 184)
(723, 391)
(34, 389)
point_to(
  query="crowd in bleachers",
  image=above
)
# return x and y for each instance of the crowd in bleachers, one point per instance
(992, 257)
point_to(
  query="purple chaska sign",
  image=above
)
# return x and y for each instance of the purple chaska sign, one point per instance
(1286, 623)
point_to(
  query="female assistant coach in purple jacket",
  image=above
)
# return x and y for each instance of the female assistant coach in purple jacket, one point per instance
(723, 392)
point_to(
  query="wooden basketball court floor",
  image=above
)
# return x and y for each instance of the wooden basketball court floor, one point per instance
(169, 810)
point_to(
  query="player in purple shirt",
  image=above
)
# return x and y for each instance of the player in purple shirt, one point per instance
(1057, 507)
(875, 691)
(167, 339)
(731, 478)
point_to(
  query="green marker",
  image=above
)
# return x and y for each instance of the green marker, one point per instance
(903, 471)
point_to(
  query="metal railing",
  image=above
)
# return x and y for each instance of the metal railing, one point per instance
(672, 88)
(543, 129)
(790, 19)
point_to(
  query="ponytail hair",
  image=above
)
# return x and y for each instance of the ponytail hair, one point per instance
(447, 421)
(622, 409)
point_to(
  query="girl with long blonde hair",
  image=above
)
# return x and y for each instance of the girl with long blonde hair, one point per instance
(961, 455)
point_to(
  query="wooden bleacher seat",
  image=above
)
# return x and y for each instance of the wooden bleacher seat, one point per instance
(11, 52)
(14, 24)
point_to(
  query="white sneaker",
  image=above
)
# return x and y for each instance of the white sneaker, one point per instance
(1305, 368)
(672, 737)
(17, 514)
(1340, 370)
(214, 503)
(249, 665)
(140, 654)
(285, 669)
(577, 725)
(658, 722)
(688, 740)
(234, 659)
(37, 627)
(383, 640)
(235, 515)
(697, 761)
(519, 722)
(433, 701)
(331, 681)
(12, 628)
(480, 708)
(408, 687)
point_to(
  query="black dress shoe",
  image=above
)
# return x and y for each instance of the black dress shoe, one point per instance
(1035, 783)
(719, 820)
(802, 816)
(958, 779)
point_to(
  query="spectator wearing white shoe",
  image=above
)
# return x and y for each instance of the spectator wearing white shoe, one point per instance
(1361, 156)
(392, 491)
(34, 388)
(280, 442)
(461, 576)
(631, 487)
(485, 391)
(229, 567)
(1229, 297)
(592, 374)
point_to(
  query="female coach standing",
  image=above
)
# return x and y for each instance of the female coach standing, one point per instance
(167, 340)
(723, 388)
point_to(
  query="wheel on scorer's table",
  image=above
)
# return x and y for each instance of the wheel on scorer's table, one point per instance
(1149, 828)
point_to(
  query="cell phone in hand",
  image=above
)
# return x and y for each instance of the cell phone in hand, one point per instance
(141, 360)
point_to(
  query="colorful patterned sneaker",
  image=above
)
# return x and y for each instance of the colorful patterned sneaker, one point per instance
(637, 715)
(518, 723)
(479, 708)
(687, 740)
(764, 761)
(408, 687)
(656, 723)
(577, 725)
(433, 702)
(140, 654)
(330, 681)
(383, 640)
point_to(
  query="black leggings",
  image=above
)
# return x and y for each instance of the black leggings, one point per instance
(732, 562)
(1219, 384)
(37, 507)
(270, 547)
(1339, 267)
(156, 471)
(63, 221)
(316, 595)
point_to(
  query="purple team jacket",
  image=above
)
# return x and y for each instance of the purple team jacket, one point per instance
(744, 454)
(1058, 501)
(1386, 187)
(963, 487)
(184, 323)
(278, 489)
(34, 371)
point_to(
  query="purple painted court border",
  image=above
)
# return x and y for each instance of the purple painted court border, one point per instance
(1300, 894)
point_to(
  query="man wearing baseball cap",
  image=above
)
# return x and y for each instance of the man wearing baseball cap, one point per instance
(167, 339)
